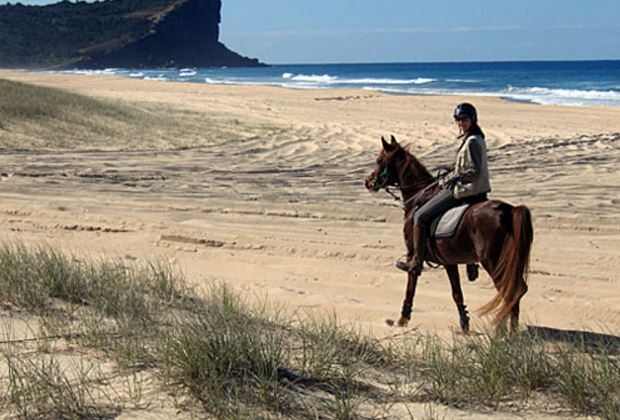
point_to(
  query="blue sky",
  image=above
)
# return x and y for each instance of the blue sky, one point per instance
(330, 31)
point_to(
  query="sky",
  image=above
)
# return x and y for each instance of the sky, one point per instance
(362, 31)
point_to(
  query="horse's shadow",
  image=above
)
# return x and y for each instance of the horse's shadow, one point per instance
(586, 340)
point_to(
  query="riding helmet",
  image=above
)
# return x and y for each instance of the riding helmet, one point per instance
(466, 110)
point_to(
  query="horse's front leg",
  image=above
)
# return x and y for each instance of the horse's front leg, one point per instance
(405, 314)
(412, 279)
(457, 295)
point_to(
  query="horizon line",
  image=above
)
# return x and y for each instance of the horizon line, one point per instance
(445, 62)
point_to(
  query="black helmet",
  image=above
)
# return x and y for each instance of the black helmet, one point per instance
(466, 110)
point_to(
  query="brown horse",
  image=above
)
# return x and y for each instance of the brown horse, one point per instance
(495, 234)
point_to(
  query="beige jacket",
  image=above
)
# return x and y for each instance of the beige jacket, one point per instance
(471, 168)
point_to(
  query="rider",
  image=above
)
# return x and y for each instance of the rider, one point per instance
(467, 182)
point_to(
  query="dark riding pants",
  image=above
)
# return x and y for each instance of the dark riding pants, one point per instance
(443, 201)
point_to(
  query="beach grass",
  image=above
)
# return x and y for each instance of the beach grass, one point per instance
(239, 359)
(47, 119)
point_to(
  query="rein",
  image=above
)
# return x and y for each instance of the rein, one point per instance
(411, 186)
(441, 173)
(384, 177)
(422, 191)
(387, 190)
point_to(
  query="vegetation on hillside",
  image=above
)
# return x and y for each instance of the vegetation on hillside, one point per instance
(56, 35)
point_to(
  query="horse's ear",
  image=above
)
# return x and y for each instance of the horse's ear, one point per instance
(386, 146)
(393, 139)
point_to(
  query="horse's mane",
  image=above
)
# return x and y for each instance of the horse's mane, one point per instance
(411, 160)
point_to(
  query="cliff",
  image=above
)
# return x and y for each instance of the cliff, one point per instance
(115, 33)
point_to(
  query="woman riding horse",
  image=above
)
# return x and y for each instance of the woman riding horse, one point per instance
(493, 233)
(468, 182)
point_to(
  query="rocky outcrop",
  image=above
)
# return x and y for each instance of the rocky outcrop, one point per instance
(119, 33)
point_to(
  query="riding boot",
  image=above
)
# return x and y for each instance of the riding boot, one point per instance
(414, 265)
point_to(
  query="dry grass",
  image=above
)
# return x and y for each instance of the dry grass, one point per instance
(236, 359)
(43, 119)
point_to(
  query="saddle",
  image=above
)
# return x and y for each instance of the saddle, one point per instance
(444, 226)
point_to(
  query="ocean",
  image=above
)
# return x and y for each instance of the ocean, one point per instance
(573, 83)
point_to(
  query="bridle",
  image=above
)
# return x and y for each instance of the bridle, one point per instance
(381, 183)
(384, 177)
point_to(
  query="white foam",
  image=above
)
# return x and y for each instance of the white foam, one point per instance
(242, 83)
(423, 81)
(376, 81)
(546, 96)
(160, 78)
(331, 80)
(314, 78)
(106, 72)
(220, 82)
(462, 80)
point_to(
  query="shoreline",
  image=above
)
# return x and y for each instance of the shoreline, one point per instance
(105, 73)
(567, 83)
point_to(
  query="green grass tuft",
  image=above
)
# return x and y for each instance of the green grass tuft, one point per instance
(44, 119)
(237, 359)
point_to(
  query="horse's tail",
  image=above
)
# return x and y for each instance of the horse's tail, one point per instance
(512, 268)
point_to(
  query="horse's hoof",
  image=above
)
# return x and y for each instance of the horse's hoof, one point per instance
(402, 322)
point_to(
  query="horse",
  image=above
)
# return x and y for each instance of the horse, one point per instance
(493, 233)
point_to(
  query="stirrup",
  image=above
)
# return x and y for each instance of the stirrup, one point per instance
(415, 269)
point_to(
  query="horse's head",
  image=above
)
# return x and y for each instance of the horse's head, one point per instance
(388, 166)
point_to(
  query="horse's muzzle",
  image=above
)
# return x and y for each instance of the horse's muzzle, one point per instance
(371, 184)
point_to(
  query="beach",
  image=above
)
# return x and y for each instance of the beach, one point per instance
(276, 207)
(282, 213)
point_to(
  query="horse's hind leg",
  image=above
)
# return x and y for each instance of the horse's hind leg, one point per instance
(514, 318)
(457, 295)
(514, 314)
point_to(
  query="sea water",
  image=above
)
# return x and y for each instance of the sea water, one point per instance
(542, 82)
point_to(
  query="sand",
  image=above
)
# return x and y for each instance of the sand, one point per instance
(285, 215)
